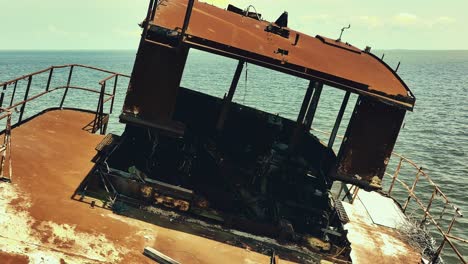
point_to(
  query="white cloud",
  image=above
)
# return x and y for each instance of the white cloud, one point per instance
(406, 19)
(370, 21)
(444, 20)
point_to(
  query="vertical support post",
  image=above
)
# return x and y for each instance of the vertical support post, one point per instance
(342, 185)
(101, 110)
(98, 119)
(3, 94)
(188, 14)
(395, 176)
(426, 212)
(49, 79)
(113, 93)
(6, 151)
(66, 88)
(153, 9)
(412, 189)
(148, 17)
(331, 141)
(26, 94)
(230, 95)
(13, 94)
(305, 103)
(313, 105)
(355, 193)
(441, 247)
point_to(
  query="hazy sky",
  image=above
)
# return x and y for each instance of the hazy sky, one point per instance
(112, 24)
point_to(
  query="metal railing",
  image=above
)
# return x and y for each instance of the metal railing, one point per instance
(427, 215)
(101, 118)
(5, 147)
(410, 189)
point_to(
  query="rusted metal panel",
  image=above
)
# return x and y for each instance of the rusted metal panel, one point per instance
(152, 91)
(340, 65)
(369, 141)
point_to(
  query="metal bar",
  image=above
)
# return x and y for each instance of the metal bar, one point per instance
(26, 76)
(60, 67)
(188, 14)
(442, 232)
(457, 238)
(398, 66)
(113, 93)
(340, 191)
(107, 78)
(3, 94)
(49, 79)
(153, 11)
(95, 122)
(429, 205)
(305, 103)
(97, 119)
(429, 180)
(146, 21)
(441, 247)
(347, 193)
(230, 95)
(26, 94)
(355, 193)
(355, 88)
(309, 118)
(13, 94)
(395, 176)
(66, 88)
(412, 189)
(101, 111)
(331, 141)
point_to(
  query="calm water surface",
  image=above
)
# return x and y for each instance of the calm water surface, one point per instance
(435, 135)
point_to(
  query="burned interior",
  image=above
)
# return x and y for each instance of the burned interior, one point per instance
(234, 165)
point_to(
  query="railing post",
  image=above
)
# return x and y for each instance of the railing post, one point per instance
(66, 88)
(441, 247)
(426, 212)
(50, 78)
(412, 189)
(26, 94)
(336, 127)
(13, 94)
(98, 118)
(6, 150)
(101, 111)
(188, 14)
(3, 94)
(113, 93)
(395, 176)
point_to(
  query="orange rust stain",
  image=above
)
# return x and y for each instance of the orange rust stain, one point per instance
(7, 258)
(51, 156)
(248, 34)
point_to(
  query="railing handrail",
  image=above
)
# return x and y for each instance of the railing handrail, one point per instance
(411, 194)
(61, 67)
(6, 147)
(103, 97)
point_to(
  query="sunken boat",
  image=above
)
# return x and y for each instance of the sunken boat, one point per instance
(198, 179)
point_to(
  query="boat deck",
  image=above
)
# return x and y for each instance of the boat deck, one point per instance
(374, 221)
(40, 222)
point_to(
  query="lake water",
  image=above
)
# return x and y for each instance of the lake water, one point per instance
(435, 135)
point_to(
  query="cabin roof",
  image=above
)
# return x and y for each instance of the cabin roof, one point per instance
(334, 63)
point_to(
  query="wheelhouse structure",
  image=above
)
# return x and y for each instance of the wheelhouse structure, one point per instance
(218, 169)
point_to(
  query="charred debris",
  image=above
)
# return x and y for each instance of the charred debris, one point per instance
(234, 166)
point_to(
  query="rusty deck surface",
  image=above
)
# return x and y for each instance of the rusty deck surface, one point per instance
(373, 231)
(39, 221)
